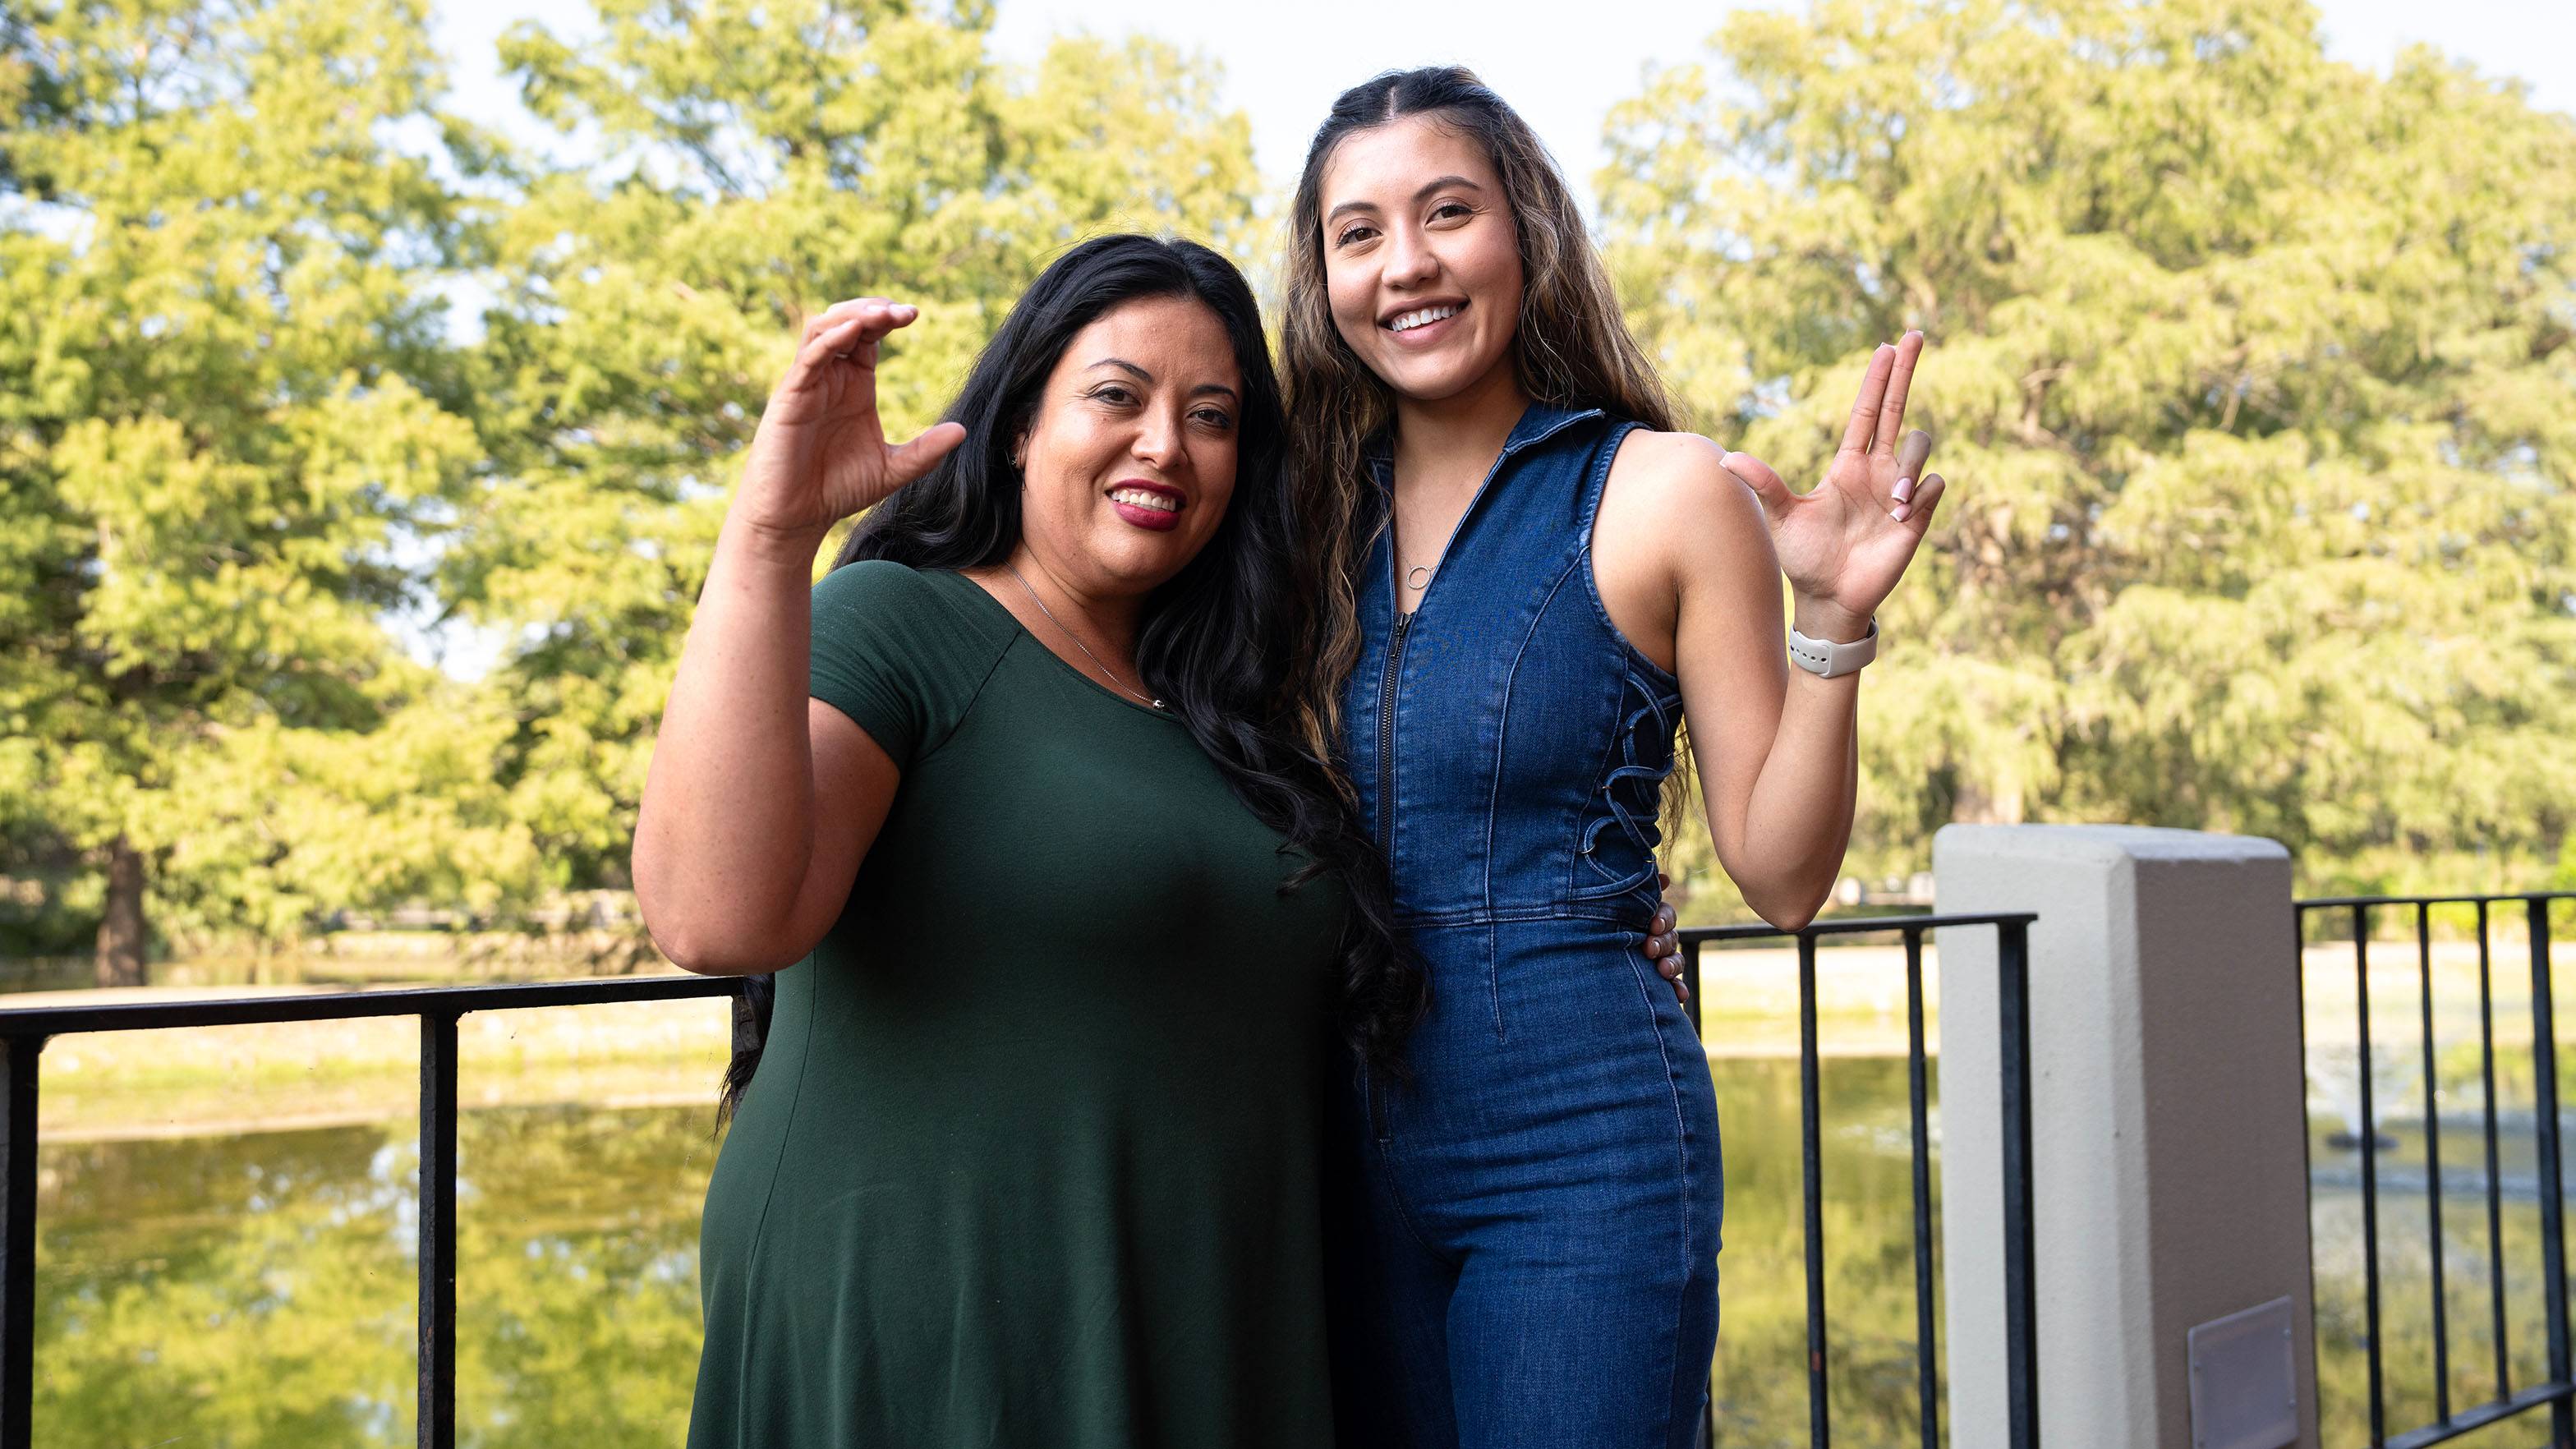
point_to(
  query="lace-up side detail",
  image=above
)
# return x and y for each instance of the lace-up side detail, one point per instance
(1630, 796)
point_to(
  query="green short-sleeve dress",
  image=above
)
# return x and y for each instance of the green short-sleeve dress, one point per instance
(1030, 1158)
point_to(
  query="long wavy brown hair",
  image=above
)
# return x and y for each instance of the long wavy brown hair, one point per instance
(1572, 347)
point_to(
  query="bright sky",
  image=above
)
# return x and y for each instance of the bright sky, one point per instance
(1562, 63)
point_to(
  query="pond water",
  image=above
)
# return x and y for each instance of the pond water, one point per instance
(257, 1289)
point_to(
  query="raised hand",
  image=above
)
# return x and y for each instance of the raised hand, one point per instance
(1845, 542)
(820, 454)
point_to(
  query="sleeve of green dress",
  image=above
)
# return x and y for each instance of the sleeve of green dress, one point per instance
(894, 651)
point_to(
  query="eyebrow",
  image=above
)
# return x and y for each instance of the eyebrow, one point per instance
(1441, 183)
(1147, 378)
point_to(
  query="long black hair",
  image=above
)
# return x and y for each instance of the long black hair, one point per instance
(1223, 641)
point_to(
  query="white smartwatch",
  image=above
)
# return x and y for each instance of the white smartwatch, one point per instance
(1830, 661)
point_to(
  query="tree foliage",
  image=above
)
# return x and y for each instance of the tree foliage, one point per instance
(238, 432)
(2252, 370)
(757, 161)
(219, 418)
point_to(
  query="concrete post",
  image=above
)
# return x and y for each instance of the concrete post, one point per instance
(2168, 1134)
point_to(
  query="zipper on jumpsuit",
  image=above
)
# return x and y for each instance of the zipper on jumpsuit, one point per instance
(1386, 734)
(1386, 711)
(1385, 818)
(1395, 650)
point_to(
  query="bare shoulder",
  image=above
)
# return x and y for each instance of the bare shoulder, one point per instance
(1673, 518)
(1674, 487)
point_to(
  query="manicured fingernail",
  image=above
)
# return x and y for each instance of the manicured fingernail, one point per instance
(1904, 490)
(1901, 510)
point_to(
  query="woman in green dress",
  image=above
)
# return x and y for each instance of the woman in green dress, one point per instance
(1029, 1163)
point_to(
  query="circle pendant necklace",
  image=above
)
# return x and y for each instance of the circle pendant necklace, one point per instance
(1077, 641)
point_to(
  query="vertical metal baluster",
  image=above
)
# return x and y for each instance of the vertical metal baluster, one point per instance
(2307, 1134)
(2433, 1173)
(18, 1242)
(1690, 978)
(2495, 1181)
(2553, 1211)
(437, 1232)
(1819, 1422)
(2021, 1286)
(1926, 1373)
(2369, 1178)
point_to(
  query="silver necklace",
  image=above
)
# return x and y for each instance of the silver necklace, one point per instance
(1077, 640)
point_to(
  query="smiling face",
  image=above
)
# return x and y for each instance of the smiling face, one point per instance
(1422, 260)
(1128, 463)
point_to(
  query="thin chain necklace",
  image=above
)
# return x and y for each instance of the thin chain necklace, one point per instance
(1077, 639)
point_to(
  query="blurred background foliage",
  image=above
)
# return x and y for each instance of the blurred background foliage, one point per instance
(2251, 369)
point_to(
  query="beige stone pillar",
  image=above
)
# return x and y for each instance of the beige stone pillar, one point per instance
(2168, 1137)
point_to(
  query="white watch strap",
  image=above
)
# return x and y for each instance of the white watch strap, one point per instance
(1829, 661)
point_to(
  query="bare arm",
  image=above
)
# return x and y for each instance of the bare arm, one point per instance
(1778, 748)
(761, 802)
(732, 873)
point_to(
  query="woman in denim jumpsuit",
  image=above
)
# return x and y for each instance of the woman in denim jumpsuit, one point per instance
(1527, 1249)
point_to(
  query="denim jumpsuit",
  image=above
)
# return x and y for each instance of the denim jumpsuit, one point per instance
(1527, 1228)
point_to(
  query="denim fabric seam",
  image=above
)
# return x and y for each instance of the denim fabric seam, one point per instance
(1493, 978)
(1544, 431)
(1682, 1150)
(1366, 665)
(1568, 889)
(1592, 580)
(1392, 1179)
(1503, 730)
(1565, 910)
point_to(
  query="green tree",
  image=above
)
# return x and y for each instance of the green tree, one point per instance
(220, 416)
(2253, 372)
(740, 163)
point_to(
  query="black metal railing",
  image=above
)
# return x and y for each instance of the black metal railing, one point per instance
(2012, 937)
(2557, 1391)
(23, 1033)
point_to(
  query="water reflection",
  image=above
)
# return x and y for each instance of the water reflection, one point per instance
(257, 1290)
(2471, 1254)
(1761, 1381)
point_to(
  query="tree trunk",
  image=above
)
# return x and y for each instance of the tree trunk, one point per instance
(120, 931)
